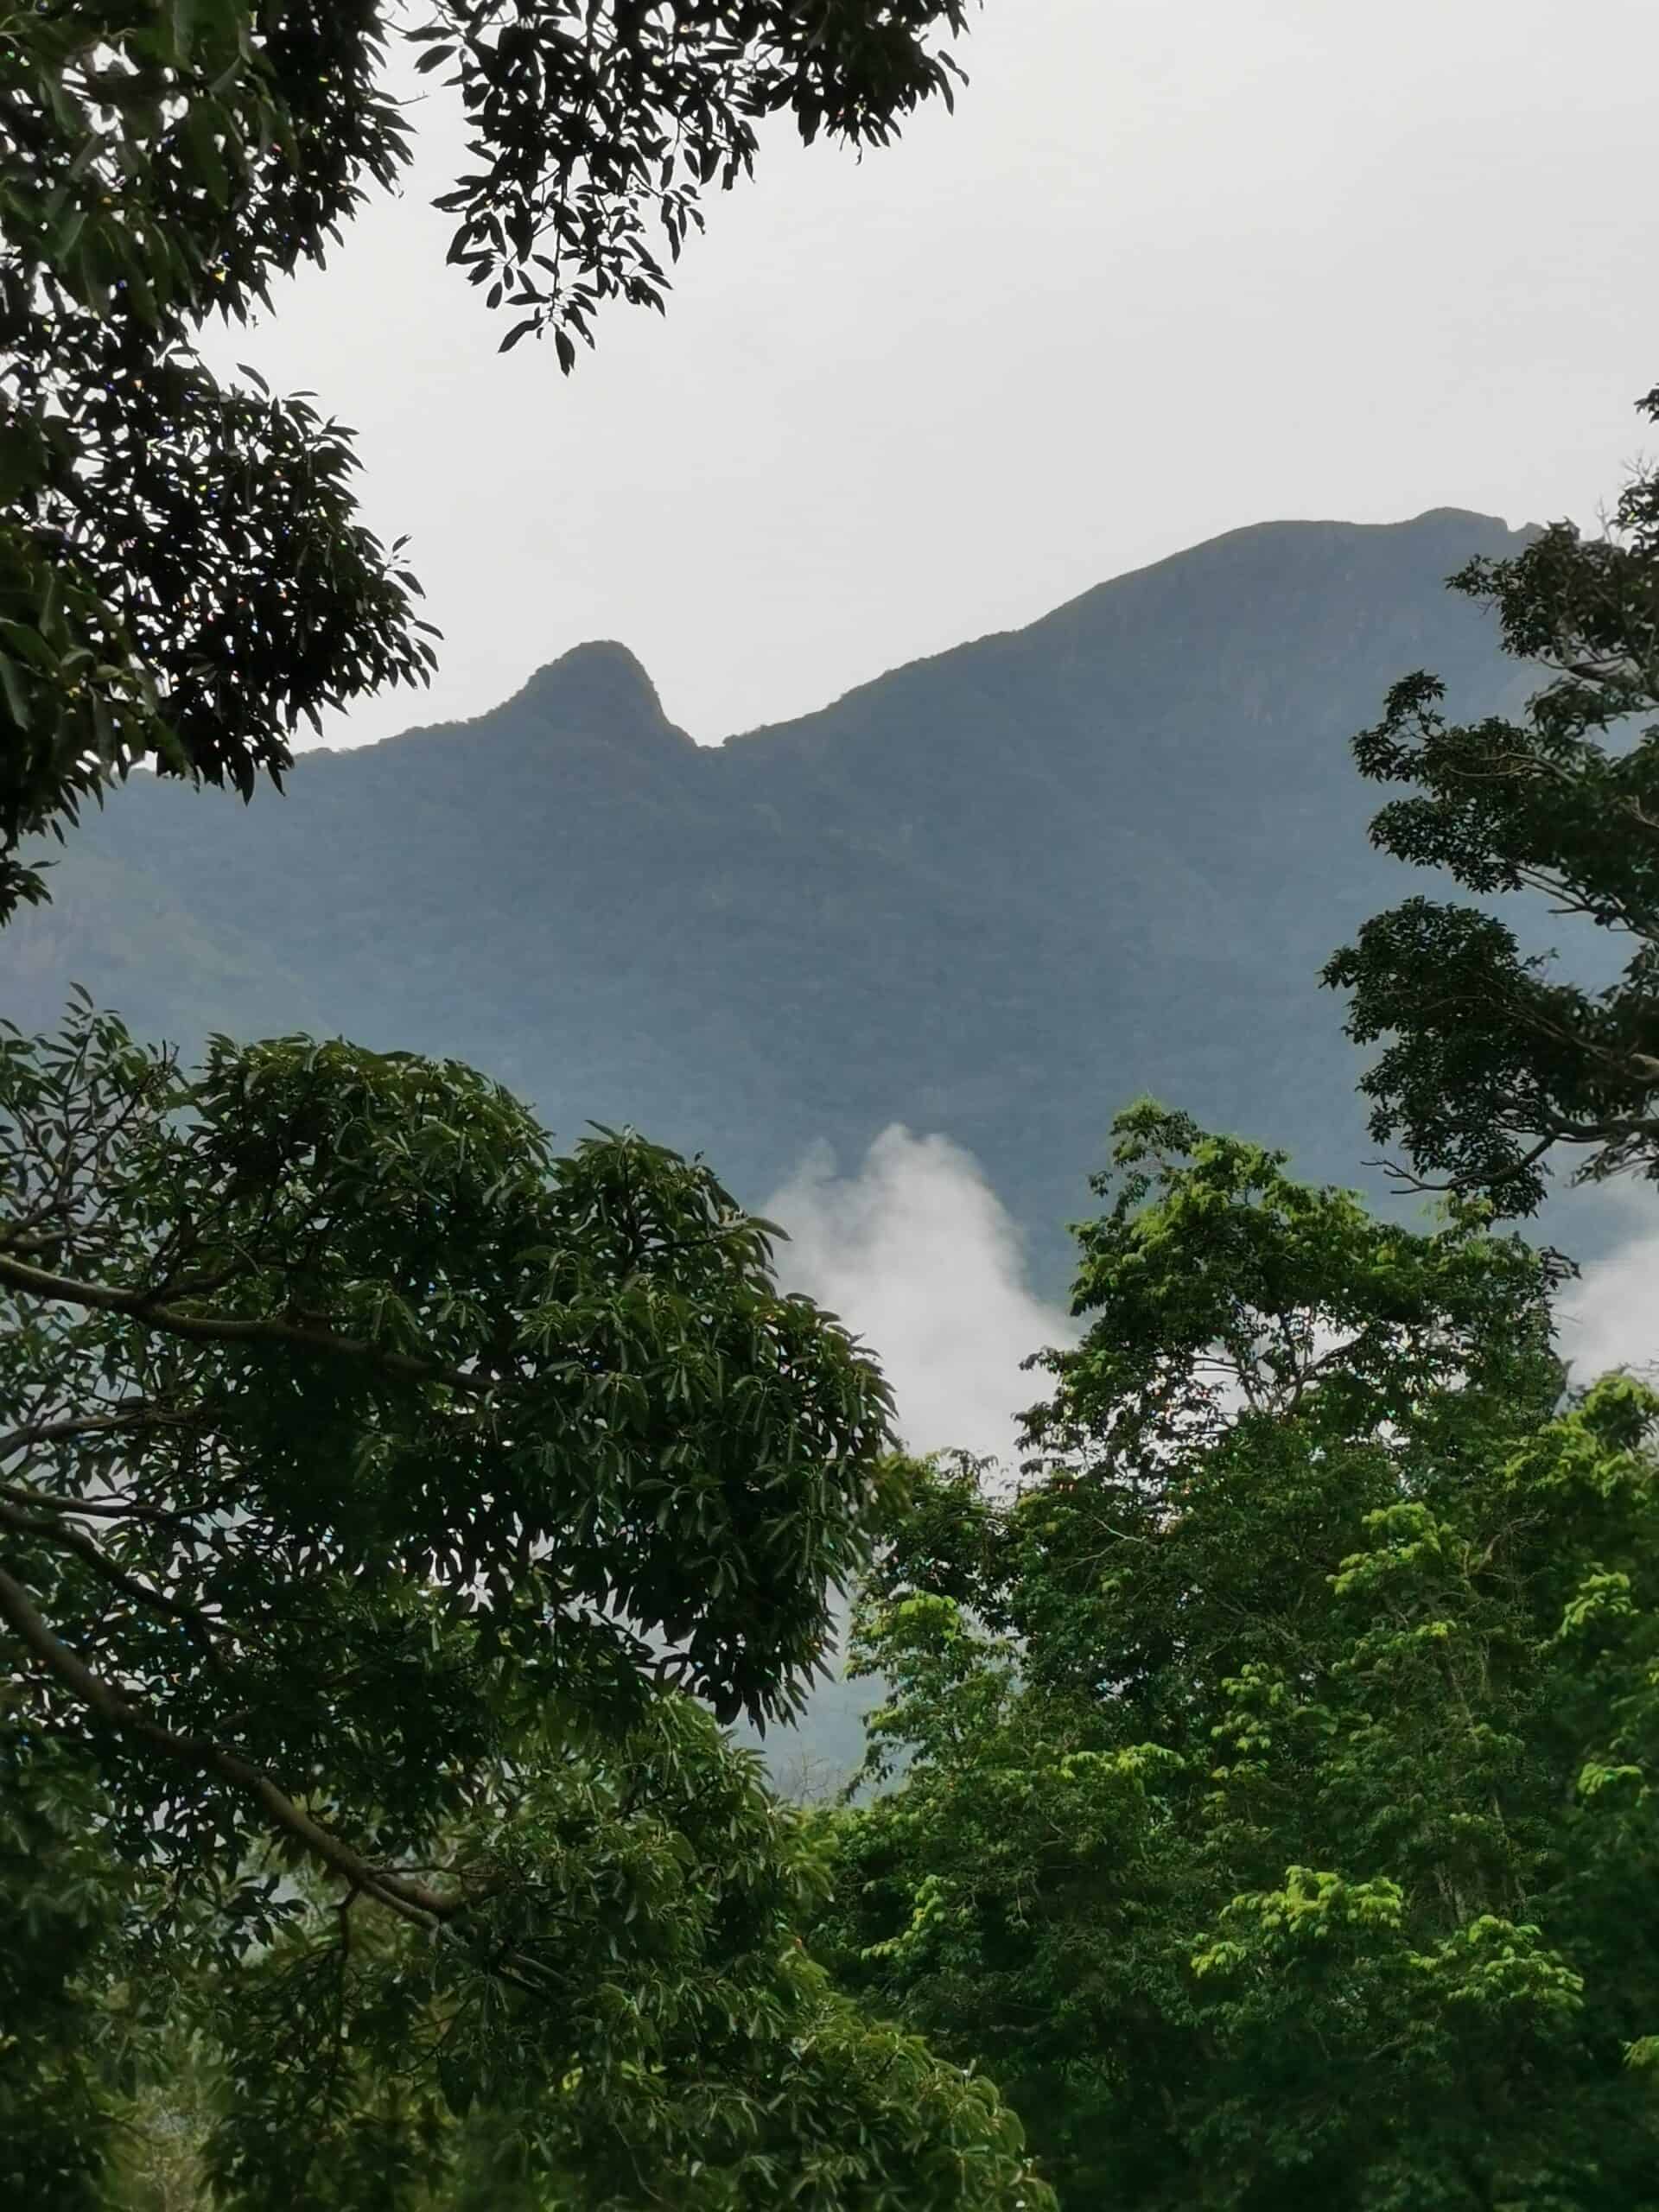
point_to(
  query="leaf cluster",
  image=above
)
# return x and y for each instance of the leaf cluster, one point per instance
(182, 574)
(597, 129)
(1492, 1060)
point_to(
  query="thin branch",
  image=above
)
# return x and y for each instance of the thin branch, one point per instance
(100, 1508)
(1411, 1182)
(137, 1413)
(411, 1900)
(56, 1532)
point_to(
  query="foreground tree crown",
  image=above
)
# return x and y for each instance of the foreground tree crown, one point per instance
(1278, 1798)
(183, 577)
(373, 1485)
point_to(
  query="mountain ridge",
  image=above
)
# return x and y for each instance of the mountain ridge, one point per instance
(535, 682)
(995, 891)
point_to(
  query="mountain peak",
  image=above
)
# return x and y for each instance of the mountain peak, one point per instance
(993, 894)
(598, 690)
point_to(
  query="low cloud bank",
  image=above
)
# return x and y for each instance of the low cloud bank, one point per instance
(917, 1254)
(919, 1257)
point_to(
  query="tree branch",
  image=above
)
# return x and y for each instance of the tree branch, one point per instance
(208, 1328)
(411, 1900)
(57, 1532)
(99, 1509)
(136, 1413)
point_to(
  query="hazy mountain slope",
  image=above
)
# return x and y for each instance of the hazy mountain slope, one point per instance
(996, 892)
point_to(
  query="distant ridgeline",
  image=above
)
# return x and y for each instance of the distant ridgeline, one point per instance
(997, 893)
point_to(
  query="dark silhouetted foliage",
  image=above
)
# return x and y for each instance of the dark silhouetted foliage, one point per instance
(1494, 1060)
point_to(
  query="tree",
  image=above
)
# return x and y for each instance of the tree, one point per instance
(682, 2049)
(374, 1488)
(1277, 1819)
(1494, 1062)
(182, 575)
(679, 2046)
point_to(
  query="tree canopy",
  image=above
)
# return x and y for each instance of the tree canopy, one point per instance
(1493, 1061)
(383, 1499)
(661, 2037)
(375, 1487)
(1276, 1810)
(393, 1511)
(183, 576)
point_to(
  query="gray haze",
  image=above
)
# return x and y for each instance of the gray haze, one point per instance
(1175, 266)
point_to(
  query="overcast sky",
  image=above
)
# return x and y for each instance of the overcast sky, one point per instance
(1172, 267)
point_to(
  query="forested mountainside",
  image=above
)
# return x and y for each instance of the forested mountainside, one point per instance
(997, 892)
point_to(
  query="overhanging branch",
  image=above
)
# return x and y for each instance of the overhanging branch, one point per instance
(411, 1900)
(212, 1328)
(56, 1531)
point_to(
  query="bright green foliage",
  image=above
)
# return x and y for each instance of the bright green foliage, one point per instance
(1491, 1060)
(182, 575)
(369, 1476)
(1279, 1823)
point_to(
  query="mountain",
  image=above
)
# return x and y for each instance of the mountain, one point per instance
(997, 892)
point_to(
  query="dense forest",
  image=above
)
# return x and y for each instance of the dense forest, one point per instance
(400, 1509)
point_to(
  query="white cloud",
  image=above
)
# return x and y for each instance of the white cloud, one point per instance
(918, 1256)
(1609, 1317)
